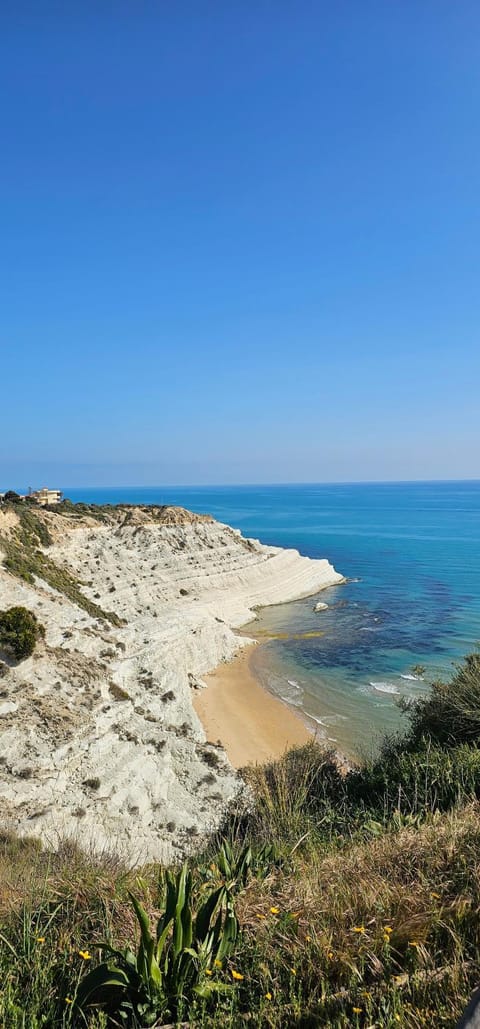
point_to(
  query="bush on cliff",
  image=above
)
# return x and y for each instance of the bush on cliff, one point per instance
(19, 632)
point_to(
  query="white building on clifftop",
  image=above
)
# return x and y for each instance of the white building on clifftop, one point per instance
(46, 496)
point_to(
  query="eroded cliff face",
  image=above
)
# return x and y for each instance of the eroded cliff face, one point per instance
(98, 736)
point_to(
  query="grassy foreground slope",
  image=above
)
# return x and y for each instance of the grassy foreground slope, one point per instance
(362, 910)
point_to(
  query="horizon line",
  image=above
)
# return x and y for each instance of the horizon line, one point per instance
(243, 485)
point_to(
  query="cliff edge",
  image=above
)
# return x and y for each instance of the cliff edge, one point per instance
(99, 738)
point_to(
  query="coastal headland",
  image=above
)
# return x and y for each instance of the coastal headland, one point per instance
(107, 734)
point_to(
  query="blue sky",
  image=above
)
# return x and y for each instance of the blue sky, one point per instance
(240, 242)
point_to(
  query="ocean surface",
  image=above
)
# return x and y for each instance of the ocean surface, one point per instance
(412, 553)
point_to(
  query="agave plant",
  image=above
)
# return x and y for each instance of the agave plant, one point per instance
(169, 968)
(237, 867)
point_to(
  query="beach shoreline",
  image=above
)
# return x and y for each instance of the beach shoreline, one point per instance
(251, 724)
(156, 598)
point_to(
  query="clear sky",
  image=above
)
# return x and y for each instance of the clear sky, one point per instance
(239, 241)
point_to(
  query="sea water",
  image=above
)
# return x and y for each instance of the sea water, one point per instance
(412, 554)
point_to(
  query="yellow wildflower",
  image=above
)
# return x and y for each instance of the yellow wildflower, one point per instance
(293, 971)
(359, 929)
(308, 939)
(387, 929)
(68, 1000)
(236, 975)
(208, 971)
(330, 954)
(40, 939)
(268, 996)
(275, 911)
(259, 915)
(85, 955)
(357, 1011)
(217, 963)
(412, 943)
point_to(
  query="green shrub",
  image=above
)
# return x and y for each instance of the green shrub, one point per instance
(429, 779)
(433, 767)
(19, 631)
(450, 713)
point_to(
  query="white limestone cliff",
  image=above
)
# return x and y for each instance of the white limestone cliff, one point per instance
(98, 736)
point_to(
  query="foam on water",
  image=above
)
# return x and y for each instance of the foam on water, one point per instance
(385, 687)
(314, 718)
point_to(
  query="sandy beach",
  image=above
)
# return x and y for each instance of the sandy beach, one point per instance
(160, 596)
(252, 725)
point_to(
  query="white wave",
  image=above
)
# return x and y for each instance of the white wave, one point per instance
(291, 682)
(385, 687)
(314, 719)
(412, 678)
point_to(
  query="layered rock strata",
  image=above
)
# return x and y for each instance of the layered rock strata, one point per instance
(98, 736)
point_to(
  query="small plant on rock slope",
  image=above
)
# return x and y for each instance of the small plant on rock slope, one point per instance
(19, 632)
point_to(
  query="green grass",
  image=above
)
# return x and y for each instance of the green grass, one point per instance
(299, 943)
(450, 712)
(361, 911)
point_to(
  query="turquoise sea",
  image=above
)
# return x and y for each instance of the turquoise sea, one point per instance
(413, 553)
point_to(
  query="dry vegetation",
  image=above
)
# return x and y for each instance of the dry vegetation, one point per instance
(361, 911)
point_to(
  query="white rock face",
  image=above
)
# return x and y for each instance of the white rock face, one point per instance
(98, 736)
